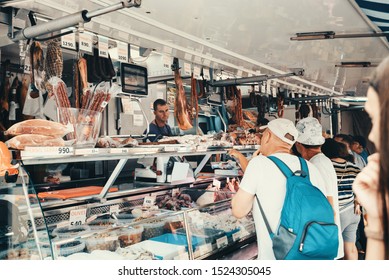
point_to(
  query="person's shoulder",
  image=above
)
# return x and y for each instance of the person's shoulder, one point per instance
(321, 159)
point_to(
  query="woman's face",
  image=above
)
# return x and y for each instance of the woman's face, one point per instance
(372, 107)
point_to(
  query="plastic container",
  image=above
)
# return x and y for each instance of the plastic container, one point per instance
(210, 235)
(101, 223)
(123, 218)
(103, 241)
(130, 236)
(172, 224)
(152, 229)
(71, 231)
(70, 248)
(179, 239)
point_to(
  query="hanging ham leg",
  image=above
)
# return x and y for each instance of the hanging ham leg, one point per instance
(180, 104)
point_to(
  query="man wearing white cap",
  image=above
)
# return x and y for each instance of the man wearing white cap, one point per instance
(265, 180)
(309, 144)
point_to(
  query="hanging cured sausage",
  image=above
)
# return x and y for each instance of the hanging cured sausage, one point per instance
(180, 104)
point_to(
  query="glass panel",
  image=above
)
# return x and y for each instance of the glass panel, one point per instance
(23, 229)
(134, 235)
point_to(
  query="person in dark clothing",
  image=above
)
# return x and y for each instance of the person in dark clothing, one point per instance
(159, 127)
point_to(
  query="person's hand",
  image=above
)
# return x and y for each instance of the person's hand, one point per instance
(365, 188)
(234, 153)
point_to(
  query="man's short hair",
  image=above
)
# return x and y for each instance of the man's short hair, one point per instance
(159, 102)
(361, 140)
(345, 138)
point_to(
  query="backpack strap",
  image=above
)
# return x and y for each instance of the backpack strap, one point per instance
(265, 219)
(282, 166)
(304, 168)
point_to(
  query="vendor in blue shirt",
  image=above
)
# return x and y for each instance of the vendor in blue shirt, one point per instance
(159, 126)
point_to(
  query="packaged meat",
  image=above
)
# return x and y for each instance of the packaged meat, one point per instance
(21, 141)
(41, 127)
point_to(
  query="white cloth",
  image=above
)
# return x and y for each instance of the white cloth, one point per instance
(327, 171)
(359, 161)
(263, 178)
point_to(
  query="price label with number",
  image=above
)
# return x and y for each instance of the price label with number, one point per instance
(47, 151)
(167, 61)
(77, 217)
(216, 183)
(236, 236)
(196, 72)
(221, 242)
(103, 47)
(149, 200)
(68, 41)
(122, 52)
(27, 65)
(206, 74)
(187, 69)
(85, 42)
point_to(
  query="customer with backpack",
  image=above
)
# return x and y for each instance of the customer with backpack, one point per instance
(349, 209)
(264, 184)
(309, 145)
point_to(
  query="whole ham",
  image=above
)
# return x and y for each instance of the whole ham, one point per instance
(21, 141)
(180, 104)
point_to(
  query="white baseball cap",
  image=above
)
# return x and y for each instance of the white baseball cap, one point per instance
(281, 127)
(310, 132)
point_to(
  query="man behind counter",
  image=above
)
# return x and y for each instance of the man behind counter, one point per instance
(159, 126)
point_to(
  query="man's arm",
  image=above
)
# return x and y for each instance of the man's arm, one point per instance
(242, 203)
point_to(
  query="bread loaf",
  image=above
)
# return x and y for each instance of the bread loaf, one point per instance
(41, 127)
(21, 141)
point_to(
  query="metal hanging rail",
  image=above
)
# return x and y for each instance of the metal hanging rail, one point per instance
(69, 21)
(254, 79)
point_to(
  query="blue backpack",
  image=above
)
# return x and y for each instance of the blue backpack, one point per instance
(307, 230)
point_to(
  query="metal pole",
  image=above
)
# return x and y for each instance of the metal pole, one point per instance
(70, 20)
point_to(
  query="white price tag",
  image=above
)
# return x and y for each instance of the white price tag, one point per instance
(119, 150)
(196, 72)
(77, 217)
(221, 242)
(85, 42)
(183, 256)
(47, 151)
(68, 41)
(138, 120)
(236, 236)
(205, 249)
(104, 104)
(256, 88)
(114, 209)
(263, 89)
(274, 91)
(122, 52)
(27, 65)
(239, 73)
(103, 46)
(91, 151)
(149, 200)
(167, 61)
(216, 183)
(268, 88)
(187, 69)
(206, 74)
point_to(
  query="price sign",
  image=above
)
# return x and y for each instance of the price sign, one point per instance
(122, 52)
(85, 41)
(119, 150)
(27, 65)
(263, 89)
(196, 72)
(103, 47)
(274, 91)
(206, 74)
(47, 151)
(236, 236)
(221, 242)
(114, 209)
(216, 183)
(239, 73)
(77, 217)
(68, 41)
(205, 249)
(167, 61)
(187, 69)
(149, 201)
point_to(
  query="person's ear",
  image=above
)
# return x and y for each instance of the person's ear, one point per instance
(266, 137)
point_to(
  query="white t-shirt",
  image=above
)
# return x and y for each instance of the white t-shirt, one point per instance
(327, 171)
(263, 178)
